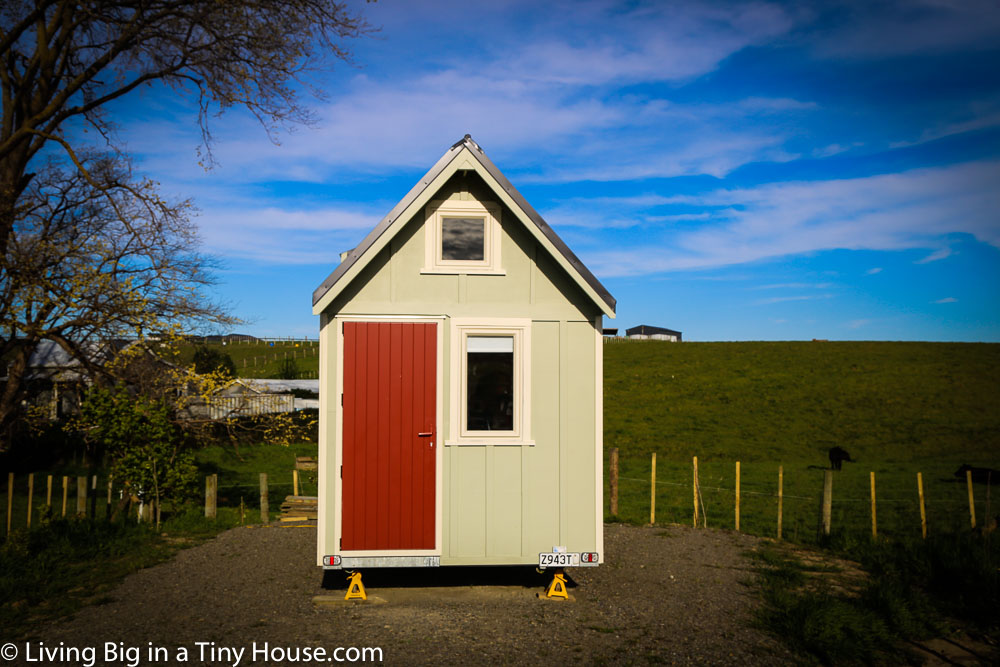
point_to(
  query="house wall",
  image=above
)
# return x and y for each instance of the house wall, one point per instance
(501, 503)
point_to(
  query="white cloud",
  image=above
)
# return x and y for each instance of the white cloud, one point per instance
(801, 297)
(795, 286)
(857, 324)
(550, 88)
(835, 149)
(671, 41)
(949, 299)
(980, 119)
(935, 256)
(872, 271)
(908, 210)
(284, 236)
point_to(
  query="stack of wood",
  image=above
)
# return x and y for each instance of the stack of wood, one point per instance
(305, 463)
(299, 508)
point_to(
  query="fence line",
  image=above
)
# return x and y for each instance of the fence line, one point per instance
(88, 493)
(943, 503)
(775, 494)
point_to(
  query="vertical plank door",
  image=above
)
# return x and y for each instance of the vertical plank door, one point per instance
(389, 437)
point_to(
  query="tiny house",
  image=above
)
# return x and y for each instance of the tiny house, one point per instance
(460, 384)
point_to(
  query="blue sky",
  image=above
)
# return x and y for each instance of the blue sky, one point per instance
(737, 171)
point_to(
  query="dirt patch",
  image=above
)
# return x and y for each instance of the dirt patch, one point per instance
(675, 595)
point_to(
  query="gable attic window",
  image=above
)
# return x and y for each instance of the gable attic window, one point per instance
(462, 236)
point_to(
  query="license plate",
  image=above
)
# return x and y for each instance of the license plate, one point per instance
(558, 559)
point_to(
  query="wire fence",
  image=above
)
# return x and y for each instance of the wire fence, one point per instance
(891, 502)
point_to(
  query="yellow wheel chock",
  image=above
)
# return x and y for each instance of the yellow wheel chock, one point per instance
(355, 589)
(557, 589)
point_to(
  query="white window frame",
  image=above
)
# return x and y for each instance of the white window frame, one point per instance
(435, 213)
(520, 331)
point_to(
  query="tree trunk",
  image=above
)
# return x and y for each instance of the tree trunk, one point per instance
(13, 391)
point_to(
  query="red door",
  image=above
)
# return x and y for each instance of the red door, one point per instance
(390, 439)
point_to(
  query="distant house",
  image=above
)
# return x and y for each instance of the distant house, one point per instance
(609, 332)
(231, 338)
(646, 332)
(56, 380)
(241, 398)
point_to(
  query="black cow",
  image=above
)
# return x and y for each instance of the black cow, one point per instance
(837, 457)
(979, 475)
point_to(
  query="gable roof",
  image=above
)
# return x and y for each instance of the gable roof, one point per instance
(464, 154)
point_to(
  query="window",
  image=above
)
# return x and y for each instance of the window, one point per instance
(462, 236)
(490, 384)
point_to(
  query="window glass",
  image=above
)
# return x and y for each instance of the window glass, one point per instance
(490, 383)
(463, 238)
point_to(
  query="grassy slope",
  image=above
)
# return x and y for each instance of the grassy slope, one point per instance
(886, 402)
(898, 408)
(268, 358)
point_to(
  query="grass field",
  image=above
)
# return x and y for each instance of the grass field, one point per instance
(263, 359)
(898, 408)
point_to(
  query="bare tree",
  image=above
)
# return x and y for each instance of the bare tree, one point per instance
(94, 258)
(67, 59)
(86, 251)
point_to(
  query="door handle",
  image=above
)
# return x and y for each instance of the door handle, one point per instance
(425, 435)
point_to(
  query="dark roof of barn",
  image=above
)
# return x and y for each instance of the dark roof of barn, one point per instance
(646, 330)
(453, 152)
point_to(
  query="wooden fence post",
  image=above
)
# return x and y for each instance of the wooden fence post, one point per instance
(31, 494)
(694, 487)
(10, 499)
(81, 496)
(923, 509)
(972, 503)
(295, 482)
(737, 496)
(265, 515)
(874, 525)
(107, 507)
(781, 496)
(93, 496)
(652, 493)
(614, 482)
(65, 493)
(827, 500)
(48, 492)
(211, 497)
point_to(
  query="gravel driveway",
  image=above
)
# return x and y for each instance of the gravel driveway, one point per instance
(671, 595)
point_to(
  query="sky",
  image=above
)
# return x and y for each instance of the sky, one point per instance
(732, 170)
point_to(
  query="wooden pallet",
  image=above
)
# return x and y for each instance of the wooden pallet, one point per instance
(299, 508)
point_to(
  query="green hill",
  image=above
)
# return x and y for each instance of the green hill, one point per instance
(262, 359)
(887, 402)
(898, 408)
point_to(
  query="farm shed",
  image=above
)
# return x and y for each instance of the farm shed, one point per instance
(241, 398)
(646, 332)
(461, 383)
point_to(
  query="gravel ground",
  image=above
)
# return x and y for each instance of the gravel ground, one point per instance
(670, 595)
